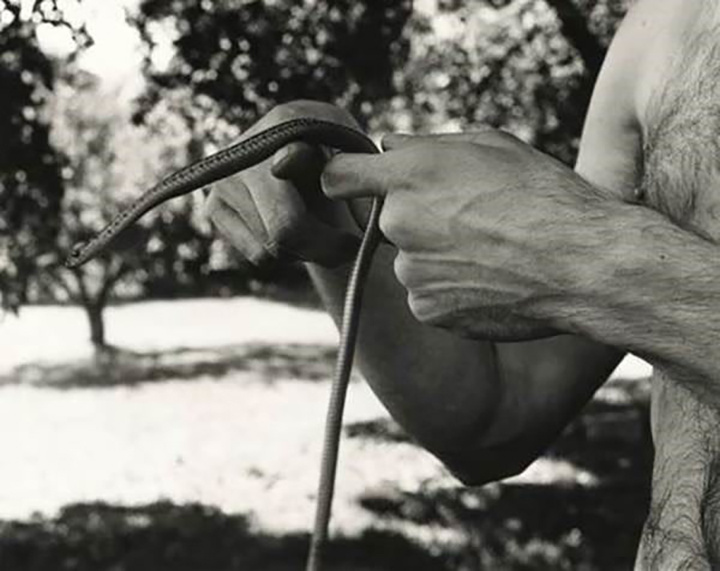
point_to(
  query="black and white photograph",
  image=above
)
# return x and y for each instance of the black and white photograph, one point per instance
(359, 285)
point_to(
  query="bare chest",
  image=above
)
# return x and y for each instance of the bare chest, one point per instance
(681, 171)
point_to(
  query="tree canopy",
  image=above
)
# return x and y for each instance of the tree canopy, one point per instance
(245, 57)
(31, 186)
(524, 65)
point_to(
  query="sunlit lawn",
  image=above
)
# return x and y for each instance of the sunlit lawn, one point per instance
(216, 407)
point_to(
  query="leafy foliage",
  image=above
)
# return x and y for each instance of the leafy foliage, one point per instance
(30, 184)
(246, 57)
(524, 65)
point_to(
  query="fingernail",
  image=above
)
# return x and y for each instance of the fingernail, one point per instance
(331, 176)
(280, 156)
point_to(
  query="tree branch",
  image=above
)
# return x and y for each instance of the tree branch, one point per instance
(112, 276)
(574, 26)
(79, 274)
(55, 275)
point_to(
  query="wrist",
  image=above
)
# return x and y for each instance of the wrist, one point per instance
(612, 281)
(593, 267)
(651, 289)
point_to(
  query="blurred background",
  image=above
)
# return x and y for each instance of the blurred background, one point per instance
(162, 407)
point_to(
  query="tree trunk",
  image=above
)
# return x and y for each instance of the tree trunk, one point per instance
(97, 325)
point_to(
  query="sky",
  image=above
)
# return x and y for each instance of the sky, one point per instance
(116, 54)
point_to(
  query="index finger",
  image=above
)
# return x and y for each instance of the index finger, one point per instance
(354, 175)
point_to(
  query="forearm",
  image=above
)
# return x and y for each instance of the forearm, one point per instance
(649, 287)
(487, 410)
(443, 389)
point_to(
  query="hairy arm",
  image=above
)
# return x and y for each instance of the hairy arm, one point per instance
(486, 410)
(653, 292)
(489, 409)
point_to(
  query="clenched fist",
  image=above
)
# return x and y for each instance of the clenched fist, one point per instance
(276, 209)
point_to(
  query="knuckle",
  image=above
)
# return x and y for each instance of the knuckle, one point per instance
(223, 190)
(389, 222)
(419, 307)
(408, 273)
(505, 138)
(210, 205)
(398, 221)
(401, 266)
(495, 138)
(507, 135)
(285, 229)
(423, 161)
(247, 247)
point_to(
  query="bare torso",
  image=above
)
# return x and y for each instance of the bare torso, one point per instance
(677, 99)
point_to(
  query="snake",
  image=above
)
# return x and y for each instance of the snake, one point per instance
(234, 159)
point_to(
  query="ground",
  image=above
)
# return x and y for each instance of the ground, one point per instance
(196, 446)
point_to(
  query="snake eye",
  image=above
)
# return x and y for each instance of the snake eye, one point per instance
(73, 258)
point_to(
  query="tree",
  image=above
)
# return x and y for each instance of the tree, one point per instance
(527, 66)
(30, 183)
(240, 59)
(108, 160)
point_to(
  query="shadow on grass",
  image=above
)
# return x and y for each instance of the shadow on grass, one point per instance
(127, 368)
(169, 537)
(513, 525)
(529, 526)
(506, 526)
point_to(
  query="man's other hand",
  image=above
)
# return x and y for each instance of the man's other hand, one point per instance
(276, 209)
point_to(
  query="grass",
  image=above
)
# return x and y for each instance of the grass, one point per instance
(197, 447)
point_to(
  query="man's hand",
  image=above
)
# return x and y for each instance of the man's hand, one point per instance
(276, 209)
(490, 231)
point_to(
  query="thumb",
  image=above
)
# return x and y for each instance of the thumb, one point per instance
(350, 175)
(298, 161)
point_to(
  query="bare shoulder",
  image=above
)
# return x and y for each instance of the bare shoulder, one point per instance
(636, 67)
(610, 148)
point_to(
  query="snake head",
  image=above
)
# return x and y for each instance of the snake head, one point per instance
(74, 259)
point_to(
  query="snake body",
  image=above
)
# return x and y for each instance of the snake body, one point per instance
(236, 158)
